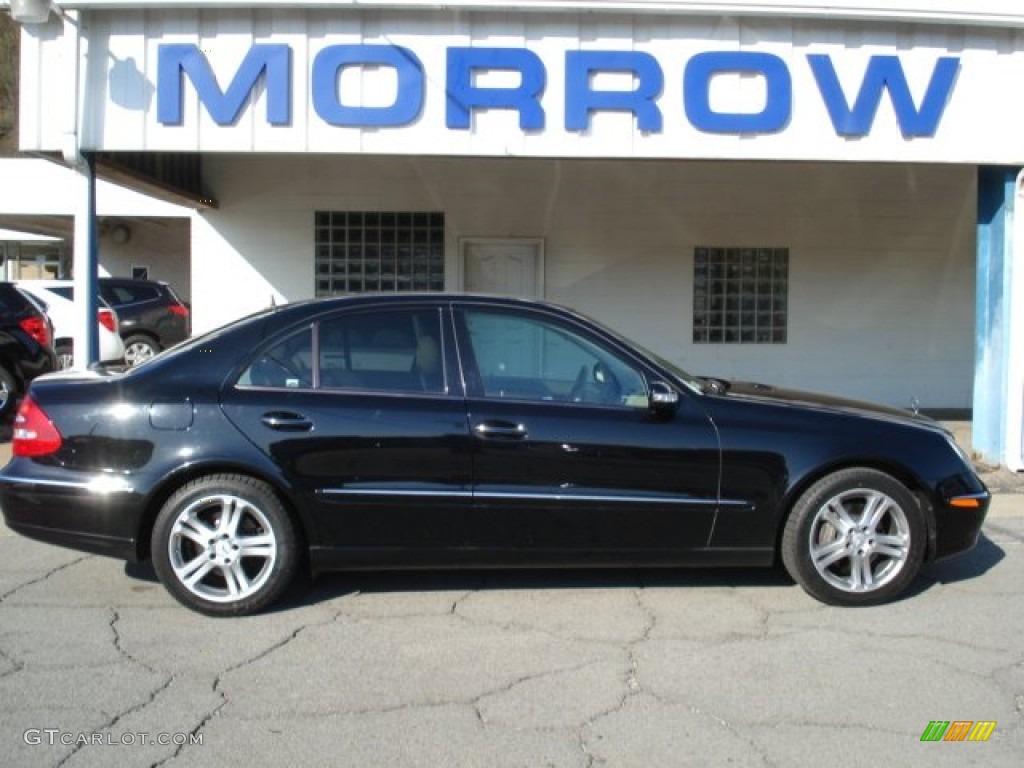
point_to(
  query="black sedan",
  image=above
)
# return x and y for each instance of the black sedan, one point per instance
(410, 431)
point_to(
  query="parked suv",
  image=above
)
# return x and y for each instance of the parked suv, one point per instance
(152, 317)
(57, 298)
(26, 339)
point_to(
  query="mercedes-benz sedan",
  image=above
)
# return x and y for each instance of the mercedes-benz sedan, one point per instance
(411, 431)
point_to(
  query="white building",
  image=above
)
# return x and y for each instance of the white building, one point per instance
(816, 196)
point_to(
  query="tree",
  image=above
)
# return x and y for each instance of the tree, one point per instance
(10, 38)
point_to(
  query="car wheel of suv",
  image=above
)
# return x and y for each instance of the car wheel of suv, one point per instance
(8, 392)
(138, 348)
(856, 537)
(224, 545)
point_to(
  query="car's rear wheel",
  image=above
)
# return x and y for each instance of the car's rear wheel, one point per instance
(856, 537)
(8, 392)
(224, 545)
(65, 355)
(139, 347)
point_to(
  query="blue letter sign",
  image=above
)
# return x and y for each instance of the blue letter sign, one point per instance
(778, 106)
(274, 60)
(464, 95)
(327, 68)
(581, 99)
(885, 73)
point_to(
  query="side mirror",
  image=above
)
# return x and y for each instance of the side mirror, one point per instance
(664, 398)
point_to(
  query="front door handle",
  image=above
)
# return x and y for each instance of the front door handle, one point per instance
(500, 430)
(285, 421)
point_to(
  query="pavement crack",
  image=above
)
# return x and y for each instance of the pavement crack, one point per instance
(16, 664)
(113, 721)
(119, 646)
(207, 716)
(44, 577)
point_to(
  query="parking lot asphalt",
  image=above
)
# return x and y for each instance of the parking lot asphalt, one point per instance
(98, 665)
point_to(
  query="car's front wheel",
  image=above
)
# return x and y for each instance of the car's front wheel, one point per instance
(224, 545)
(856, 537)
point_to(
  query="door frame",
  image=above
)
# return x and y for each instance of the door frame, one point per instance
(466, 242)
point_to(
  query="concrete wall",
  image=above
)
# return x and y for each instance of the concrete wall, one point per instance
(881, 256)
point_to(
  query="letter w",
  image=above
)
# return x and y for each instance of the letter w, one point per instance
(934, 730)
(224, 106)
(885, 73)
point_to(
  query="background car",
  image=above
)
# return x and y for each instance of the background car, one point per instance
(152, 317)
(26, 351)
(458, 431)
(57, 298)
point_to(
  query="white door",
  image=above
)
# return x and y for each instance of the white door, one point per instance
(507, 267)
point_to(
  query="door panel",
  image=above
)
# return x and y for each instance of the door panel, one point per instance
(367, 429)
(568, 457)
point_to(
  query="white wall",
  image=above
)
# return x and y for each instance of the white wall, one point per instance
(881, 256)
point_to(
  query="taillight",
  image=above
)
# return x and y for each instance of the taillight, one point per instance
(178, 309)
(34, 433)
(108, 320)
(38, 329)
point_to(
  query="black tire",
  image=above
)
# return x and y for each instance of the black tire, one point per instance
(9, 393)
(199, 552)
(855, 537)
(65, 355)
(139, 347)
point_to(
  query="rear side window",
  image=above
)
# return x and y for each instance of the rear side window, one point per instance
(386, 351)
(378, 351)
(129, 294)
(287, 364)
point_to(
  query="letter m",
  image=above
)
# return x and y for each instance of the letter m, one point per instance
(177, 60)
(935, 730)
(885, 73)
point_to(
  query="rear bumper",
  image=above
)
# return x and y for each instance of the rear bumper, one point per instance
(90, 516)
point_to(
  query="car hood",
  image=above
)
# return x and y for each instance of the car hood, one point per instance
(781, 396)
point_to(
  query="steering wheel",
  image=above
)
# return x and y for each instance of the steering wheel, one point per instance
(579, 386)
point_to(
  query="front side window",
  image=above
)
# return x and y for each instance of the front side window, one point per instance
(533, 358)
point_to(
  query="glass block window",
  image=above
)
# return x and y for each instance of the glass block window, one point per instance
(740, 295)
(365, 251)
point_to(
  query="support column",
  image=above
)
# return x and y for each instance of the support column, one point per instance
(996, 198)
(86, 260)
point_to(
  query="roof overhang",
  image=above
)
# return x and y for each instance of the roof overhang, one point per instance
(1000, 13)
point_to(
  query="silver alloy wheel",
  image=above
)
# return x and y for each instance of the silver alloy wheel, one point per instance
(859, 540)
(65, 357)
(5, 394)
(222, 548)
(138, 351)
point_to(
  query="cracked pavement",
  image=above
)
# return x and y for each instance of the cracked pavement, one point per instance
(629, 668)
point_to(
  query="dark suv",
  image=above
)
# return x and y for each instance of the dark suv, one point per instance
(26, 339)
(151, 316)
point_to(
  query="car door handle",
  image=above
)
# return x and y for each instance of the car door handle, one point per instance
(283, 421)
(500, 430)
